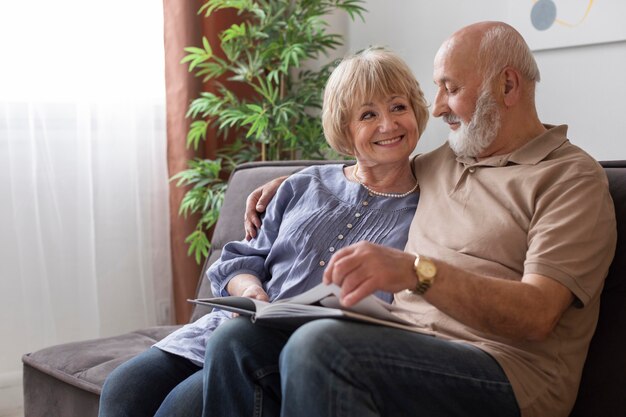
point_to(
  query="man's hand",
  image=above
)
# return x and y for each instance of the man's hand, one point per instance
(365, 267)
(256, 203)
(524, 310)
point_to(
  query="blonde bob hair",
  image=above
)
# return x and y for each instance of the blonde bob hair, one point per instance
(372, 73)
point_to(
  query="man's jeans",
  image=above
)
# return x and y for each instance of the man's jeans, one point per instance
(338, 368)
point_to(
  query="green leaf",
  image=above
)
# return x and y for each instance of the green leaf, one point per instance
(262, 53)
(207, 46)
(193, 50)
(233, 32)
(198, 245)
(197, 132)
(196, 56)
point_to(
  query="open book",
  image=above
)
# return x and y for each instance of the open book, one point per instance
(321, 301)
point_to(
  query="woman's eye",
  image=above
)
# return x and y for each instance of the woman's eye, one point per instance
(399, 107)
(367, 115)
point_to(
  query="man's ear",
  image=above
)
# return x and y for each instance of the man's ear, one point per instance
(511, 88)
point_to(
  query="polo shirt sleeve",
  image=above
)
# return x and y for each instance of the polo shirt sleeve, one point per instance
(572, 234)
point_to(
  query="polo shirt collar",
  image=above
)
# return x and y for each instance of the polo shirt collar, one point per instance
(531, 153)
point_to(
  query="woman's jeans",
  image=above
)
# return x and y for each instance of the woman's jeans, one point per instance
(154, 383)
(332, 368)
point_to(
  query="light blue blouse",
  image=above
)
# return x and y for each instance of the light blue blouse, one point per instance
(314, 213)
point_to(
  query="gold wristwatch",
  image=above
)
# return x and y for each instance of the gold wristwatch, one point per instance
(426, 271)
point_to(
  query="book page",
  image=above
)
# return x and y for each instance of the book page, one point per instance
(328, 296)
(369, 306)
(320, 301)
(242, 305)
(314, 295)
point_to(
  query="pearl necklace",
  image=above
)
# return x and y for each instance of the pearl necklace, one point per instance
(391, 195)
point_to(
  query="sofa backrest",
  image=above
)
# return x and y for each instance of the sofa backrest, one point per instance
(603, 387)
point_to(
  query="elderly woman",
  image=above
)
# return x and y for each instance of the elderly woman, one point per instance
(373, 110)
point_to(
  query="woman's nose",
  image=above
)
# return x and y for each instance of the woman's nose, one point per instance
(387, 123)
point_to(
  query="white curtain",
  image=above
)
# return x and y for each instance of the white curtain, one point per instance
(84, 230)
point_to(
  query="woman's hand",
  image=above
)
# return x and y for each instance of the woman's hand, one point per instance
(247, 285)
(255, 291)
(256, 203)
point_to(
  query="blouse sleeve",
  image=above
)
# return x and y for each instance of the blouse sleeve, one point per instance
(248, 257)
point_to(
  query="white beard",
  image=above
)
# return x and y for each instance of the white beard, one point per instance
(471, 139)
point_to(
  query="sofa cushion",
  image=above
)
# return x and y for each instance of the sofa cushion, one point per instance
(86, 364)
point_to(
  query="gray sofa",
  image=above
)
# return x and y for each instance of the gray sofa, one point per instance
(65, 380)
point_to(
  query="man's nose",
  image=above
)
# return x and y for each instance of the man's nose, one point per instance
(440, 106)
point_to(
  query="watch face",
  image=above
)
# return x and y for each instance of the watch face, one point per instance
(427, 269)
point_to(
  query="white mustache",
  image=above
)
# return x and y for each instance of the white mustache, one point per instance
(451, 118)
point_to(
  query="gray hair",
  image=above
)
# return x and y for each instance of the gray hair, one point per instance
(503, 46)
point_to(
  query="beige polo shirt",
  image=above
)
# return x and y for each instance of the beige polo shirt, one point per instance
(543, 209)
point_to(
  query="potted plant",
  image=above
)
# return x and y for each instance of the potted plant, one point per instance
(266, 52)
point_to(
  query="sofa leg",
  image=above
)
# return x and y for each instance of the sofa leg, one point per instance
(45, 396)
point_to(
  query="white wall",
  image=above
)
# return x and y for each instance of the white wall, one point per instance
(583, 87)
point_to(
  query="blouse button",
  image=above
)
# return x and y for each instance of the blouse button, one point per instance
(331, 249)
(357, 215)
(349, 225)
(322, 263)
(340, 237)
(365, 203)
(472, 170)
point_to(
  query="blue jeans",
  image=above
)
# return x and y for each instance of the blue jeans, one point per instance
(153, 384)
(337, 368)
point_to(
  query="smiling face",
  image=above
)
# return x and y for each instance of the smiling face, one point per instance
(377, 82)
(473, 138)
(383, 130)
(468, 107)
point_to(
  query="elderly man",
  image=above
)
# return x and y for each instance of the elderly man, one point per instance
(503, 268)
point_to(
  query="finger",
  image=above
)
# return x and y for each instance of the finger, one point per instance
(255, 202)
(327, 276)
(342, 264)
(262, 296)
(255, 220)
(350, 295)
(251, 216)
(329, 272)
(332, 275)
(267, 192)
(264, 200)
(250, 230)
(351, 281)
(256, 292)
